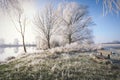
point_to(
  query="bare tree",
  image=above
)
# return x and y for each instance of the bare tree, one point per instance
(75, 22)
(20, 24)
(8, 5)
(22, 27)
(110, 6)
(46, 24)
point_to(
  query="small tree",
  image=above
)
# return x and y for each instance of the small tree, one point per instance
(22, 27)
(46, 24)
(20, 21)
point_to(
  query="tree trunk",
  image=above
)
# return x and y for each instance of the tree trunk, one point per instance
(69, 39)
(24, 47)
(49, 42)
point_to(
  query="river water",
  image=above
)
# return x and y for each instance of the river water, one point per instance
(13, 51)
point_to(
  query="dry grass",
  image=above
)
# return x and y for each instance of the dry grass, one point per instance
(104, 52)
(63, 66)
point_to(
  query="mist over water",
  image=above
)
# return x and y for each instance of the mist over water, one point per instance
(12, 51)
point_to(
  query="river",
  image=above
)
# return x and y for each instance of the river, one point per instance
(6, 52)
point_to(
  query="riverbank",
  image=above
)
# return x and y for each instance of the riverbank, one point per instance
(58, 66)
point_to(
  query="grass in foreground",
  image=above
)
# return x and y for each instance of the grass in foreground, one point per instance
(58, 67)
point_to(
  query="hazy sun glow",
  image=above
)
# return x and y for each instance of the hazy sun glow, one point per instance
(7, 28)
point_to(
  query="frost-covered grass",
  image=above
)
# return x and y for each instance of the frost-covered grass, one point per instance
(58, 66)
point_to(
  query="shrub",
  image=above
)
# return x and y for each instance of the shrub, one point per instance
(10, 58)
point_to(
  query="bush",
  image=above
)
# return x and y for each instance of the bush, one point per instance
(10, 58)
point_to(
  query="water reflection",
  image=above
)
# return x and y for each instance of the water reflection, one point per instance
(12, 51)
(2, 50)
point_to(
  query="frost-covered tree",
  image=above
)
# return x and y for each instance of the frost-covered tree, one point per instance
(22, 27)
(8, 5)
(20, 21)
(110, 6)
(11, 4)
(75, 22)
(46, 24)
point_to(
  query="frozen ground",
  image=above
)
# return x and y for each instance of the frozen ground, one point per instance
(58, 66)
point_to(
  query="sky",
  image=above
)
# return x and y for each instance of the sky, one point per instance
(106, 28)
